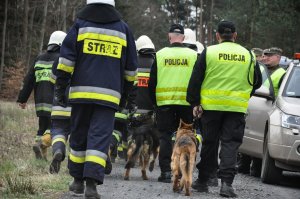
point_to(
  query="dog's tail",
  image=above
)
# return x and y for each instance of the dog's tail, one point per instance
(136, 151)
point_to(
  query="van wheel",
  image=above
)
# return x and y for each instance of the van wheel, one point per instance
(269, 172)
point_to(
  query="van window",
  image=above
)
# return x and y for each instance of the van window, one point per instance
(292, 88)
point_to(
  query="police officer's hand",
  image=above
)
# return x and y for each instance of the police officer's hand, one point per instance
(60, 97)
(197, 111)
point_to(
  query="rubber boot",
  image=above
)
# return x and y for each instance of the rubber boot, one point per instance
(77, 186)
(37, 150)
(200, 186)
(91, 189)
(56, 161)
(165, 177)
(227, 190)
(108, 167)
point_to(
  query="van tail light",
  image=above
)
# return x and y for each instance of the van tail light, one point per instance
(297, 56)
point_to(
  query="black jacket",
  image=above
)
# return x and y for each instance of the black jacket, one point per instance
(38, 79)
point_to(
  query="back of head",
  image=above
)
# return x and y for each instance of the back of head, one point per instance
(109, 2)
(176, 33)
(57, 38)
(226, 29)
(144, 42)
(189, 36)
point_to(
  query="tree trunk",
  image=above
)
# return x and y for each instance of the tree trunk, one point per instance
(3, 43)
(30, 37)
(201, 31)
(210, 24)
(25, 30)
(64, 15)
(43, 25)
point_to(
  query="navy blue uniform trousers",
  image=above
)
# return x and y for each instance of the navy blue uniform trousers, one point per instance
(168, 118)
(227, 127)
(60, 131)
(91, 132)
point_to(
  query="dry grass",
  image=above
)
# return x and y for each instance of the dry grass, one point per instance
(21, 175)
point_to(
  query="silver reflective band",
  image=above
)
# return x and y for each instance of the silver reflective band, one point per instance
(60, 108)
(144, 70)
(44, 62)
(66, 62)
(59, 136)
(96, 153)
(92, 89)
(102, 31)
(53, 76)
(131, 73)
(78, 153)
(43, 105)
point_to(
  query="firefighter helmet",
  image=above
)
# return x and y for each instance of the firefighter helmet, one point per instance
(110, 2)
(144, 42)
(57, 37)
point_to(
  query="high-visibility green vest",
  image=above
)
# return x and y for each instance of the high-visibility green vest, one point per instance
(174, 69)
(275, 77)
(226, 86)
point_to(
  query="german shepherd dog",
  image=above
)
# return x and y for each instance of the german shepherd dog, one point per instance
(144, 143)
(183, 158)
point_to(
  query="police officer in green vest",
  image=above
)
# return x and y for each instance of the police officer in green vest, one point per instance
(271, 58)
(169, 77)
(219, 90)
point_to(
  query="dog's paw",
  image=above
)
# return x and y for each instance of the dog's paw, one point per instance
(126, 178)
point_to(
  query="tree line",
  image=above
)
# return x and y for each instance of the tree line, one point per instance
(27, 24)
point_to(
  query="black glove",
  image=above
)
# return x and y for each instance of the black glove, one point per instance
(60, 96)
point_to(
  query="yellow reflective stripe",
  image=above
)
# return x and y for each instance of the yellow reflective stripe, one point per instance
(223, 102)
(95, 159)
(58, 140)
(47, 132)
(98, 96)
(43, 109)
(164, 98)
(117, 136)
(130, 78)
(120, 148)
(63, 67)
(225, 93)
(60, 113)
(102, 37)
(121, 115)
(76, 159)
(171, 89)
(52, 80)
(143, 74)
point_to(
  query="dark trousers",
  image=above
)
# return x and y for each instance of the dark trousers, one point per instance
(91, 132)
(60, 131)
(168, 118)
(44, 124)
(227, 127)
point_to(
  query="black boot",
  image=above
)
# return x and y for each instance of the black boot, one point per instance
(213, 181)
(165, 177)
(227, 190)
(56, 161)
(91, 189)
(200, 186)
(108, 167)
(77, 186)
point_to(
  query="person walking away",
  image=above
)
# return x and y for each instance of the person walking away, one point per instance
(37, 79)
(219, 90)
(98, 60)
(168, 83)
(60, 127)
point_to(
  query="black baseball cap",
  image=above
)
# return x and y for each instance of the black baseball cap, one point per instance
(226, 27)
(176, 28)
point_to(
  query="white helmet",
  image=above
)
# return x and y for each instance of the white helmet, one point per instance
(57, 37)
(189, 36)
(110, 2)
(144, 42)
(200, 47)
